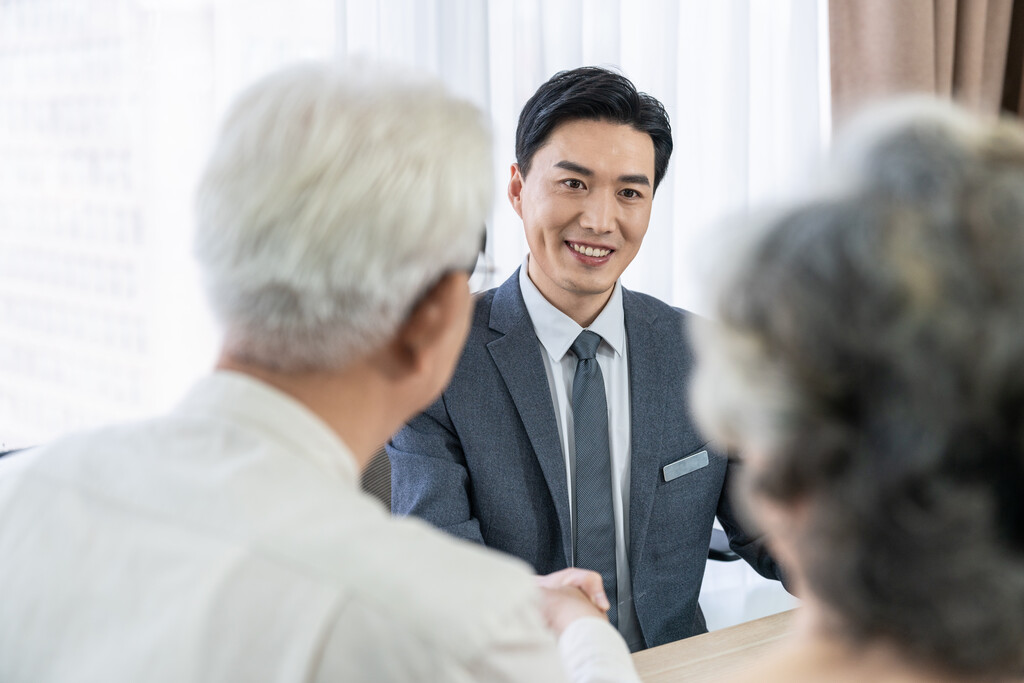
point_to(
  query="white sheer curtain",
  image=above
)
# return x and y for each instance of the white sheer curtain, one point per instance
(138, 85)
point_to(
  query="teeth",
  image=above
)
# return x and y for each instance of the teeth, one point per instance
(590, 251)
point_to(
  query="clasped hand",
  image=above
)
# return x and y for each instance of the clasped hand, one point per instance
(571, 594)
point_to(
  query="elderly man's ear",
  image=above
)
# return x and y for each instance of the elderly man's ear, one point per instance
(430, 340)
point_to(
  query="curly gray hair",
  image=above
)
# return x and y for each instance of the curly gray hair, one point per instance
(871, 343)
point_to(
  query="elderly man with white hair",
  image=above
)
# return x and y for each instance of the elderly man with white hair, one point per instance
(228, 540)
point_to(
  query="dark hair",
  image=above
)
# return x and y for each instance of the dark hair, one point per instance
(871, 343)
(593, 93)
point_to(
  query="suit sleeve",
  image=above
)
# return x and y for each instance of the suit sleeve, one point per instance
(747, 545)
(428, 474)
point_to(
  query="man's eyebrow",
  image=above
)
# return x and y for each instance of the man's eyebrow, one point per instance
(635, 179)
(574, 167)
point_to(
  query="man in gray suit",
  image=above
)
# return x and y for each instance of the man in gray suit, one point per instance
(533, 448)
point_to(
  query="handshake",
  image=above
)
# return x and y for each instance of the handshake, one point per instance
(570, 594)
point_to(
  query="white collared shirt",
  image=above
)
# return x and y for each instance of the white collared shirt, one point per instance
(557, 332)
(229, 541)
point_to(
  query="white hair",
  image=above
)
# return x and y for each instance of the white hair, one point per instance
(332, 200)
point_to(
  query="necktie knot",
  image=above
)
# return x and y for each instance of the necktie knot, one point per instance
(585, 346)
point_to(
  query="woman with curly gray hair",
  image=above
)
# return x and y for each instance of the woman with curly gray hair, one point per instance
(868, 365)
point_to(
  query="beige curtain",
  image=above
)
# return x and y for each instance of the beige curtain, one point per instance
(970, 50)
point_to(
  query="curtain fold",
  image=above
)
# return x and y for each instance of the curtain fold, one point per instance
(969, 50)
(1013, 83)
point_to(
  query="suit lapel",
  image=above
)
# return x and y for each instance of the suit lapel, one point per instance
(517, 357)
(647, 406)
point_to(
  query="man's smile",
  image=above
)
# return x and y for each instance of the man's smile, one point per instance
(590, 253)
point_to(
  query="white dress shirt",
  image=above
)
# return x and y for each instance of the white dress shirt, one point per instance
(557, 332)
(229, 541)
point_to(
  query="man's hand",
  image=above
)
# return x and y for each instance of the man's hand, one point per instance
(571, 594)
(562, 606)
(586, 580)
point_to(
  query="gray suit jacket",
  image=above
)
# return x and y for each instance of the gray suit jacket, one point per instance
(485, 461)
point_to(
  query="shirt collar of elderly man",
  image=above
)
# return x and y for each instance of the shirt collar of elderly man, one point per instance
(368, 397)
(866, 363)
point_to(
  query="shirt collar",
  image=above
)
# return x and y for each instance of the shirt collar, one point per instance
(557, 331)
(259, 407)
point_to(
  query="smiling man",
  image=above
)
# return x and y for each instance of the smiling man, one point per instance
(564, 437)
(585, 209)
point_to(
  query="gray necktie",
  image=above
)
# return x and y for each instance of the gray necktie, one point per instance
(592, 485)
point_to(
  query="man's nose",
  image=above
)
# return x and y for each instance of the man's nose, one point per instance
(599, 212)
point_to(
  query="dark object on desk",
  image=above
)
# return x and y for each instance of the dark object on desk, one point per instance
(376, 481)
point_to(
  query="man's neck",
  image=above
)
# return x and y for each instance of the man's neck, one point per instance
(582, 308)
(347, 400)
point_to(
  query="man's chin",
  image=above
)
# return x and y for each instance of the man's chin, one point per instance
(590, 289)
